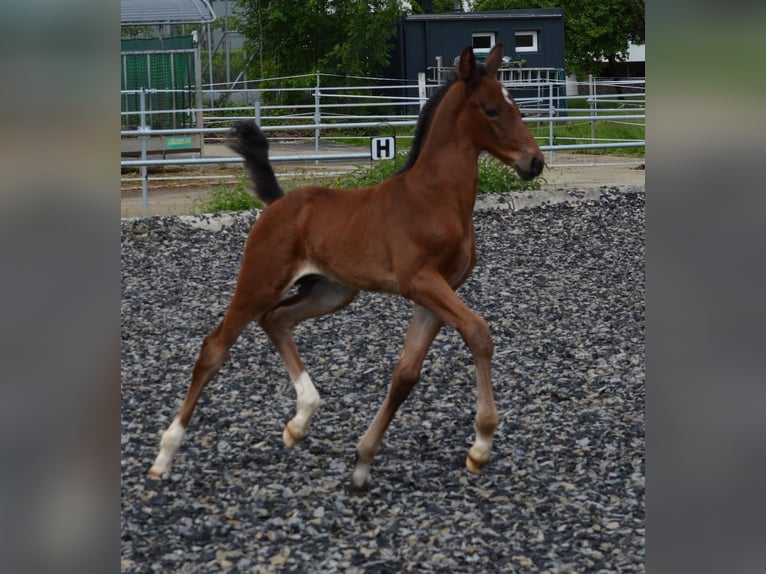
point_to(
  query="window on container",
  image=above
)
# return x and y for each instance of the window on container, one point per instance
(483, 40)
(526, 41)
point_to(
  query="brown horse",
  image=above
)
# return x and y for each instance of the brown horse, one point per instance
(410, 235)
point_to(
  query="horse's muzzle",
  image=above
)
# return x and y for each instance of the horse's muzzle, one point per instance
(532, 169)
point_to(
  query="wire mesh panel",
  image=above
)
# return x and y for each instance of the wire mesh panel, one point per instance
(169, 76)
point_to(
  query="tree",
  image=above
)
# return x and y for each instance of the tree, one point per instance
(365, 43)
(290, 37)
(595, 30)
(435, 6)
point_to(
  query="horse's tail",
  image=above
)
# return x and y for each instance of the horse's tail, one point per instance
(247, 139)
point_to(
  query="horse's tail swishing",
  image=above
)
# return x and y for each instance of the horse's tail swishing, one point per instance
(247, 139)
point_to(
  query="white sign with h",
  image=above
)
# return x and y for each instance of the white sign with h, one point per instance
(383, 148)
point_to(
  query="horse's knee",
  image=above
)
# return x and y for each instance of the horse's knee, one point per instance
(478, 337)
(404, 379)
(213, 351)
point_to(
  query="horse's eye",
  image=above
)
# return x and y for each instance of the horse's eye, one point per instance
(491, 112)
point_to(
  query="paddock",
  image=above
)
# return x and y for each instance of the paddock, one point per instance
(562, 288)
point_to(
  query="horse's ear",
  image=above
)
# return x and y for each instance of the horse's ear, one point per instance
(494, 59)
(467, 67)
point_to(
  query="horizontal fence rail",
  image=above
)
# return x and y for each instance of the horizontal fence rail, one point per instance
(361, 112)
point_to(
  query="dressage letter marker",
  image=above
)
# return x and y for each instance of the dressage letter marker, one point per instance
(383, 148)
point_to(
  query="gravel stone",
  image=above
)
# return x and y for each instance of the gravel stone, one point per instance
(562, 288)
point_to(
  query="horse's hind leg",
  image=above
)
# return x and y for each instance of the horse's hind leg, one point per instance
(318, 296)
(213, 353)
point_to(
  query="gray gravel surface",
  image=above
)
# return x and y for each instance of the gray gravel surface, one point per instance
(562, 287)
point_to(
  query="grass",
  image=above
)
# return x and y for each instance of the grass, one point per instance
(368, 176)
(226, 198)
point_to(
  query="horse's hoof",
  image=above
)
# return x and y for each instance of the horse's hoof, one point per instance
(289, 438)
(359, 489)
(155, 474)
(473, 466)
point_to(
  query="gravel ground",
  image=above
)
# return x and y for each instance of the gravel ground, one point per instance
(562, 287)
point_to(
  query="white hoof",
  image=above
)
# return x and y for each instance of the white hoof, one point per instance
(478, 455)
(169, 444)
(289, 437)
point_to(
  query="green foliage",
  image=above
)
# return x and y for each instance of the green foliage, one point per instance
(368, 176)
(294, 37)
(365, 47)
(153, 31)
(236, 62)
(594, 29)
(434, 6)
(225, 198)
(130, 32)
(494, 177)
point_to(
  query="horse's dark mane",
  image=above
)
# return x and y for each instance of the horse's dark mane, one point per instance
(426, 113)
(424, 122)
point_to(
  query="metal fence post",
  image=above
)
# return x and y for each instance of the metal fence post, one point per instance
(422, 95)
(551, 111)
(257, 109)
(592, 92)
(317, 117)
(142, 127)
(199, 116)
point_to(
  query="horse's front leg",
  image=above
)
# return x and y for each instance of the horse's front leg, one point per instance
(430, 290)
(421, 332)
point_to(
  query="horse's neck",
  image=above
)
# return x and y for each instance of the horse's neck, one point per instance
(445, 143)
(448, 155)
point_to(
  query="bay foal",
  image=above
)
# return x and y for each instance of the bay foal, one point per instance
(410, 235)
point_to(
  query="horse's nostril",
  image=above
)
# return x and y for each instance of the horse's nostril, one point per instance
(537, 165)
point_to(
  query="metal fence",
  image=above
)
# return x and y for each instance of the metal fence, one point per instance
(313, 105)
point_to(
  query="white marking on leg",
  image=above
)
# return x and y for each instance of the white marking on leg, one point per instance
(479, 453)
(169, 444)
(306, 403)
(507, 95)
(360, 476)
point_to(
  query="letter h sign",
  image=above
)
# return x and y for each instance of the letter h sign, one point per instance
(382, 148)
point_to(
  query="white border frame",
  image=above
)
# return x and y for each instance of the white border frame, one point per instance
(535, 41)
(491, 35)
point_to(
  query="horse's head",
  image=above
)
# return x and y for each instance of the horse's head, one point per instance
(492, 117)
